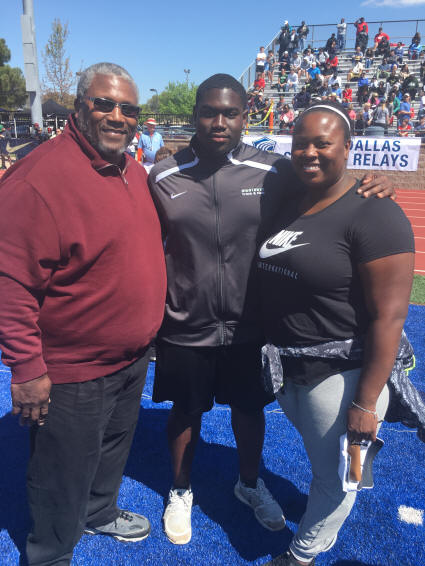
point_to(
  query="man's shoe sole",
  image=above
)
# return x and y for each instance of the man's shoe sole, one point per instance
(183, 538)
(262, 523)
(117, 537)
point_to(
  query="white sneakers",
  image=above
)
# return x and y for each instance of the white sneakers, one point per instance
(266, 509)
(178, 512)
(177, 516)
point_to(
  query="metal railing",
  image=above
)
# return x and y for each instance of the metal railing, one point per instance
(168, 120)
(398, 30)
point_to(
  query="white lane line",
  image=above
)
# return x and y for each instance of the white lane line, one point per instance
(411, 515)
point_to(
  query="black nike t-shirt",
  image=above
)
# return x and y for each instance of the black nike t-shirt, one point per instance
(309, 282)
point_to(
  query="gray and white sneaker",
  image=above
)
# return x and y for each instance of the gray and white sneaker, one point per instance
(127, 527)
(266, 509)
(177, 516)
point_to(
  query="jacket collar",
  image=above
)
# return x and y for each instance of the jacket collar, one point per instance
(196, 150)
(96, 160)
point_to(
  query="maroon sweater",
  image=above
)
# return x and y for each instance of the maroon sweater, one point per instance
(82, 276)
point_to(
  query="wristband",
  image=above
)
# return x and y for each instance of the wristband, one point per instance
(374, 413)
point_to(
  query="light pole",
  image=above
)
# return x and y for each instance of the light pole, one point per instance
(157, 98)
(187, 72)
(30, 60)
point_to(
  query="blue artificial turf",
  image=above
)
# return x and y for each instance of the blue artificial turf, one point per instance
(224, 530)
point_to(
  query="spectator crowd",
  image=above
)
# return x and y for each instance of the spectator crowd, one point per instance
(378, 90)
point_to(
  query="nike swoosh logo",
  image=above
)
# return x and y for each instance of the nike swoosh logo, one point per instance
(178, 194)
(266, 252)
(15, 148)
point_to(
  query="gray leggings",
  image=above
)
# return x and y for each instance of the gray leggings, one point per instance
(319, 414)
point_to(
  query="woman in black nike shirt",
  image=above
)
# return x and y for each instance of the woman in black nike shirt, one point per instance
(336, 273)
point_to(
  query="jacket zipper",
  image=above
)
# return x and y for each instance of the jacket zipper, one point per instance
(220, 294)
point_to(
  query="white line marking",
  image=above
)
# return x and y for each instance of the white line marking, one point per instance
(411, 515)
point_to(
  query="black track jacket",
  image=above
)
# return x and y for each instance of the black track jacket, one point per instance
(210, 215)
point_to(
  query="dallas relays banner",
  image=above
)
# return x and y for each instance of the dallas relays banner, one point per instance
(386, 154)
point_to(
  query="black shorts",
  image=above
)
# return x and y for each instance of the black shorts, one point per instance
(192, 377)
(259, 68)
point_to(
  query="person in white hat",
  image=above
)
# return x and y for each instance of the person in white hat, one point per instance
(150, 142)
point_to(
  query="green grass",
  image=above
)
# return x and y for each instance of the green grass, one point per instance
(418, 290)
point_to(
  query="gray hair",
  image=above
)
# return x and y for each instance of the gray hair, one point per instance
(87, 76)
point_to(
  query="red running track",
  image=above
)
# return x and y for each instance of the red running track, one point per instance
(413, 204)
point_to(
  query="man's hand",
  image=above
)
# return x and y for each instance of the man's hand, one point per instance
(31, 399)
(378, 185)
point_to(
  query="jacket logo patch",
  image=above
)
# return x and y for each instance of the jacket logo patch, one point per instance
(265, 144)
(175, 195)
(253, 191)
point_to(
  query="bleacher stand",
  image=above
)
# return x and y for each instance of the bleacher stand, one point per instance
(381, 83)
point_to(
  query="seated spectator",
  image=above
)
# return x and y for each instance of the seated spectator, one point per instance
(301, 99)
(335, 93)
(405, 108)
(393, 106)
(399, 53)
(259, 83)
(314, 71)
(281, 81)
(420, 128)
(384, 69)
(421, 111)
(334, 79)
(328, 71)
(307, 61)
(363, 80)
(368, 58)
(381, 38)
(362, 94)
(266, 108)
(259, 105)
(351, 114)
(367, 114)
(347, 93)
(404, 71)
(416, 37)
(359, 124)
(292, 81)
(355, 72)
(392, 58)
(404, 128)
(373, 100)
(415, 50)
(381, 116)
(333, 61)
(162, 153)
(394, 77)
(286, 118)
(280, 104)
(357, 56)
(411, 86)
(285, 61)
(382, 90)
(296, 63)
(321, 57)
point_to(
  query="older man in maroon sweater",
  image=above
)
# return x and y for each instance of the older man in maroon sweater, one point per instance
(82, 286)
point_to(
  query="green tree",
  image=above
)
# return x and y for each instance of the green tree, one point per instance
(176, 98)
(59, 79)
(12, 82)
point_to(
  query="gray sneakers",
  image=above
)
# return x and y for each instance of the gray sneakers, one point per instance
(178, 516)
(266, 509)
(127, 527)
(286, 560)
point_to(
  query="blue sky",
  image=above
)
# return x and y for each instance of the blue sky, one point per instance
(156, 41)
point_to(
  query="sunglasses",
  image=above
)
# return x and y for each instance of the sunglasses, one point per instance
(106, 105)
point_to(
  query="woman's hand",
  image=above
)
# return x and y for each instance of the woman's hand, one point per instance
(361, 425)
